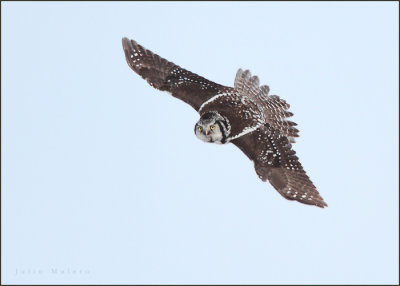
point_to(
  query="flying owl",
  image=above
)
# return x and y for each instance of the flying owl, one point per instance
(245, 115)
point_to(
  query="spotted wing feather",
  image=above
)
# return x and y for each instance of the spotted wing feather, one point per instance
(276, 161)
(167, 76)
(273, 108)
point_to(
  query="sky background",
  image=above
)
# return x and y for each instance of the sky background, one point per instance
(104, 181)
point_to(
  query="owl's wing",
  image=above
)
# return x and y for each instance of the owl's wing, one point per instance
(167, 76)
(273, 108)
(275, 160)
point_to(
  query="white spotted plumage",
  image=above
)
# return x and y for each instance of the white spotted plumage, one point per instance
(245, 131)
(245, 115)
(213, 99)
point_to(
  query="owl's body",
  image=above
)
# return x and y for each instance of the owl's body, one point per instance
(230, 106)
(244, 115)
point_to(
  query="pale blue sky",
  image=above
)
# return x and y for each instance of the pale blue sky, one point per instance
(103, 176)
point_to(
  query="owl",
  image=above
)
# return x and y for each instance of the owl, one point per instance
(244, 115)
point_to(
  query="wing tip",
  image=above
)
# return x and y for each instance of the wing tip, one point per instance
(129, 44)
(125, 43)
(127, 47)
(321, 205)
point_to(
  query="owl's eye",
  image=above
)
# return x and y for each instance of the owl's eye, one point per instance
(212, 127)
(200, 128)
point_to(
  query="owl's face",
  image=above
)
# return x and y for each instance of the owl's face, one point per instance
(211, 128)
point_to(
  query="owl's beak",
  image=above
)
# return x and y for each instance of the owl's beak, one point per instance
(207, 132)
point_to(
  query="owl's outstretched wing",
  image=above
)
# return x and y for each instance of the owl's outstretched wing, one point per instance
(167, 76)
(273, 108)
(275, 160)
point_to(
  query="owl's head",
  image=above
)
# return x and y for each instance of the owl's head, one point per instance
(212, 127)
